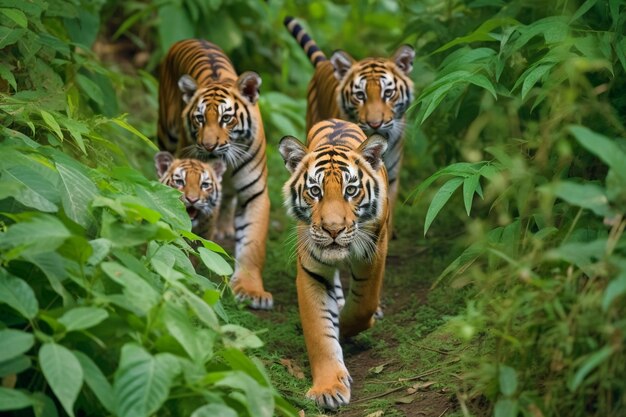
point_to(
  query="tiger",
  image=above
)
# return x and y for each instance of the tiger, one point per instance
(374, 93)
(208, 111)
(201, 187)
(338, 193)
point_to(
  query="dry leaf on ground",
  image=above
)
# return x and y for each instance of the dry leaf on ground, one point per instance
(292, 368)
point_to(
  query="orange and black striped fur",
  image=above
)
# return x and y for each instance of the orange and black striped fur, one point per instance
(374, 93)
(207, 111)
(338, 193)
(200, 184)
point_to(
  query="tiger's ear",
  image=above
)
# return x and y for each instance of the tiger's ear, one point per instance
(373, 149)
(162, 162)
(403, 57)
(187, 86)
(248, 84)
(292, 151)
(219, 167)
(342, 62)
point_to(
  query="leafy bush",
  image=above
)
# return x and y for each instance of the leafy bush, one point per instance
(101, 310)
(539, 89)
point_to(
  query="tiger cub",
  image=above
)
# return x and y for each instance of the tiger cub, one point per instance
(201, 187)
(374, 93)
(208, 111)
(338, 193)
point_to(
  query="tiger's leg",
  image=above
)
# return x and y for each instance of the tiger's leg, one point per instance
(319, 314)
(341, 301)
(251, 225)
(225, 225)
(365, 288)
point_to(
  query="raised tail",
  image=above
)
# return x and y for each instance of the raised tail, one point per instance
(310, 47)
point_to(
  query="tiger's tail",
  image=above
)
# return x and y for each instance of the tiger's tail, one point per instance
(310, 47)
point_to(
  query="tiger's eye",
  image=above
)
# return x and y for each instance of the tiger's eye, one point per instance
(199, 118)
(388, 93)
(205, 185)
(226, 118)
(179, 182)
(360, 95)
(351, 190)
(315, 191)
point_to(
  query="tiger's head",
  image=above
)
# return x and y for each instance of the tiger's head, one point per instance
(339, 194)
(375, 93)
(200, 183)
(219, 116)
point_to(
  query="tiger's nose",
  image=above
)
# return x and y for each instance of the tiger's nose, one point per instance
(192, 200)
(210, 148)
(375, 125)
(333, 231)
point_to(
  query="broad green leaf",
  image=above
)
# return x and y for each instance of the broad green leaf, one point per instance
(16, 365)
(203, 311)
(7, 75)
(484, 82)
(142, 381)
(13, 343)
(589, 196)
(214, 410)
(439, 200)
(96, 381)
(77, 193)
(15, 15)
(508, 380)
(215, 262)
(33, 188)
(90, 88)
(584, 8)
(12, 399)
(591, 362)
(257, 399)
(9, 36)
(481, 34)
(18, 295)
(238, 360)
(470, 185)
(505, 408)
(124, 124)
(239, 337)
(182, 329)
(604, 148)
(52, 123)
(41, 233)
(80, 318)
(615, 289)
(142, 294)
(531, 76)
(63, 373)
(54, 267)
(44, 406)
(101, 248)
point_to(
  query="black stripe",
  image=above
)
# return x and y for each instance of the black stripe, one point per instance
(359, 279)
(243, 206)
(244, 163)
(319, 278)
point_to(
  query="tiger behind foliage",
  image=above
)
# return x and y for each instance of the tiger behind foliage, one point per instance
(374, 93)
(201, 187)
(207, 111)
(338, 194)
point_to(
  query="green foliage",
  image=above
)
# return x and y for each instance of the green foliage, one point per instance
(540, 89)
(101, 310)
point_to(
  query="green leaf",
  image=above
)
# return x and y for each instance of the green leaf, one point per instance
(470, 185)
(7, 74)
(101, 248)
(52, 123)
(32, 188)
(142, 381)
(481, 34)
(78, 191)
(239, 337)
(508, 380)
(531, 76)
(63, 373)
(9, 36)
(589, 196)
(591, 362)
(96, 381)
(11, 399)
(18, 295)
(80, 318)
(239, 361)
(257, 399)
(616, 288)
(124, 124)
(13, 343)
(142, 294)
(39, 234)
(15, 366)
(44, 406)
(15, 15)
(584, 8)
(440, 199)
(505, 408)
(90, 88)
(603, 147)
(214, 410)
(180, 327)
(215, 262)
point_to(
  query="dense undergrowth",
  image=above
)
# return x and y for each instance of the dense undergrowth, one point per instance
(520, 115)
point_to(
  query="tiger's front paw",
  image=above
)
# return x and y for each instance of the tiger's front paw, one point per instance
(331, 392)
(224, 231)
(257, 298)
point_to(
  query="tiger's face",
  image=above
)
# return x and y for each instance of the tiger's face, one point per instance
(336, 192)
(219, 116)
(375, 93)
(199, 182)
